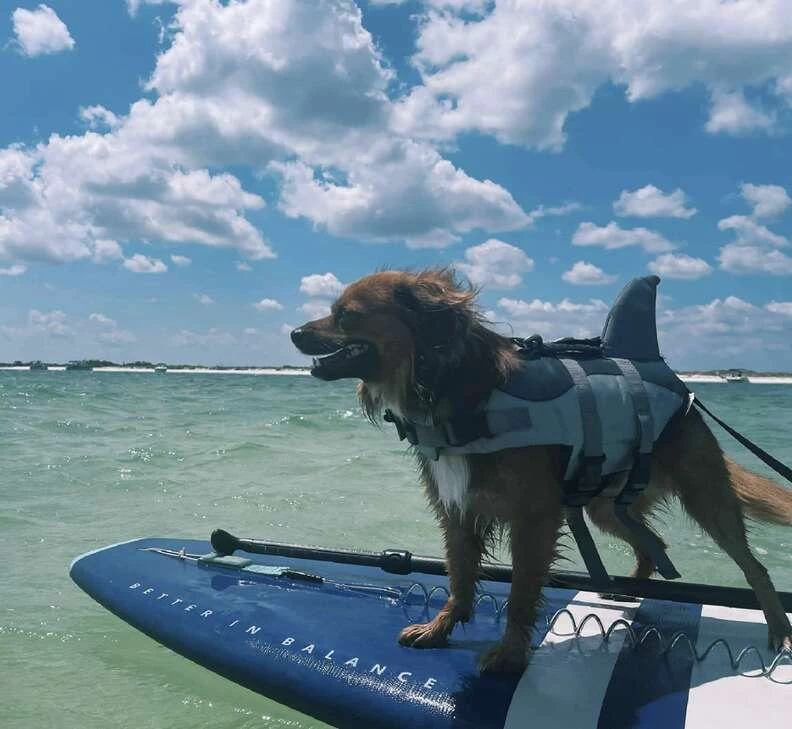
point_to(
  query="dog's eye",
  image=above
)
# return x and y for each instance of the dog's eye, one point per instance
(345, 317)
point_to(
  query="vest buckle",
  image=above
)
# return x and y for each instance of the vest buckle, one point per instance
(404, 428)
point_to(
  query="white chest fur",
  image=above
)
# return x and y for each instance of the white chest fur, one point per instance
(451, 474)
(452, 477)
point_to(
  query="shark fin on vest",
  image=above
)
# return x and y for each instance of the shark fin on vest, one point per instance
(630, 330)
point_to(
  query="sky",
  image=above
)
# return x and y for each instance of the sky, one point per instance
(187, 180)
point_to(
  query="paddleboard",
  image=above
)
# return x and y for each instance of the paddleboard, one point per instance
(321, 637)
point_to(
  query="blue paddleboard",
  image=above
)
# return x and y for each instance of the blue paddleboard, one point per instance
(321, 637)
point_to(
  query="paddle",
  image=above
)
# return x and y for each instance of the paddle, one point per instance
(402, 562)
(394, 561)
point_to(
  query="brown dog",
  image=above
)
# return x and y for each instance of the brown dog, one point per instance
(419, 345)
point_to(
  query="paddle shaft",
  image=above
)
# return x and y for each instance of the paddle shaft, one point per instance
(394, 561)
(403, 562)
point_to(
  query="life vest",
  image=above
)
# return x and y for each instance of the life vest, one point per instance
(606, 401)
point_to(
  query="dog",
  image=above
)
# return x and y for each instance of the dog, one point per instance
(421, 349)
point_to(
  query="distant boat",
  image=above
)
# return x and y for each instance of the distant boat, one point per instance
(735, 376)
(38, 365)
(78, 365)
(161, 369)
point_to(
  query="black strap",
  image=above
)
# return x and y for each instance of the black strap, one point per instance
(590, 477)
(534, 347)
(780, 468)
(640, 472)
(586, 483)
(588, 550)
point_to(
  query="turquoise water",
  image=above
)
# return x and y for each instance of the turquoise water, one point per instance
(94, 458)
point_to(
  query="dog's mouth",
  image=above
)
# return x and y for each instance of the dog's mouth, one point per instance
(354, 359)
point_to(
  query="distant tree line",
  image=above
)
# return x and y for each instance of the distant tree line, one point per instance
(91, 363)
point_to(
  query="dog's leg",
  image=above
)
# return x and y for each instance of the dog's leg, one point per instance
(697, 470)
(463, 556)
(602, 514)
(533, 542)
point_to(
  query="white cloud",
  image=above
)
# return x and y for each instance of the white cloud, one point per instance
(587, 274)
(680, 265)
(16, 168)
(554, 210)
(315, 309)
(242, 266)
(754, 249)
(302, 86)
(391, 177)
(102, 319)
(268, 305)
(495, 263)
(134, 5)
(97, 117)
(143, 264)
(748, 232)
(16, 270)
(552, 321)
(74, 196)
(295, 87)
(732, 114)
(780, 307)
(181, 261)
(40, 31)
(467, 6)
(322, 288)
(565, 50)
(613, 235)
(204, 299)
(768, 201)
(321, 285)
(747, 259)
(286, 328)
(251, 331)
(53, 323)
(106, 250)
(725, 332)
(652, 202)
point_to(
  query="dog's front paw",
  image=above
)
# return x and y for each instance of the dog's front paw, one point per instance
(424, 635)
(780, 643)
(506, 657)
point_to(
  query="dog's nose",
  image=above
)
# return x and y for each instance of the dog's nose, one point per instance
(298, 336)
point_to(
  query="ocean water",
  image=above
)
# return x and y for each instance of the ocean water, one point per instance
(88, 459)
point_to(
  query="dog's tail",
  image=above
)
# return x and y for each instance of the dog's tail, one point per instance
(760, 497)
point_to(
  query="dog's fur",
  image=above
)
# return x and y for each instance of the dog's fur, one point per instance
(429, 354)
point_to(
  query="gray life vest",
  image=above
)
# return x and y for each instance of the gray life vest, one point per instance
(605, 400)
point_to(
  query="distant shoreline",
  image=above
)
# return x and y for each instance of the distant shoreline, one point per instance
(288, 370)
(689, 377)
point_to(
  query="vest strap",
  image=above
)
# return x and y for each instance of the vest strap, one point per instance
(589, 479)
(458, 431)
(640, 472)
(588, 550)
(587, 482)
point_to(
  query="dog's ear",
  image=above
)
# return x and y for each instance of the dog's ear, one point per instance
(436, 308)
(440, 314)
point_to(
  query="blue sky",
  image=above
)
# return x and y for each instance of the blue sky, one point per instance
(184, 181)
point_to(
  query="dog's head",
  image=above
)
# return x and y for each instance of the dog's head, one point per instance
(409, 335)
